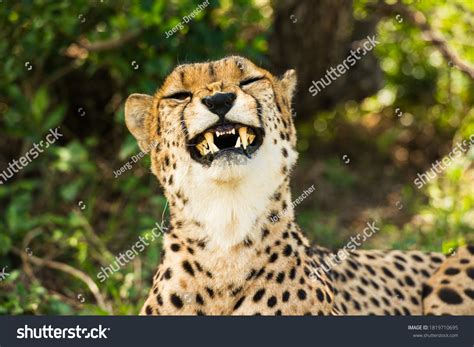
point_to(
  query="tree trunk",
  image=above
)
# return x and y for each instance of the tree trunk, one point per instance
(313, 36)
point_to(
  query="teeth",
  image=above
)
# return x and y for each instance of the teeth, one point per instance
(214, 148)
(251, 138)
(246, 137)
(210, 140)
(243, 136)
(203, 148)
(209, 137)
(237, 144)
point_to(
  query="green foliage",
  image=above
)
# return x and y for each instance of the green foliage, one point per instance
(67, 205)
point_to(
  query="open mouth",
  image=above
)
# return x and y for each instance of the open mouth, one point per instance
(223, 139)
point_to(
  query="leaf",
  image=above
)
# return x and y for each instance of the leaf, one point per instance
(5, 243)
(54, 118)
(39, 104)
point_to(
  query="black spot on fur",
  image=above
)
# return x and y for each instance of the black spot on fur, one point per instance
(320, 295)
(399, 257)
(387, 272)
(273, 257)
(210, 292)
(409, 281)
(212, 73)
(239, 303)
(175, 247)
(176, 301)
(399, 294)
(251, 274)
(198, 266)
(451, 271)
(260, 273)
(167, 275)
(370, 269)
(280, 277)
(449, 296)
(399, 266)
(287, 250)
(188, 268)
(469, 293)
(272, 301)
(292, 274)
(258, 295)
(470, 272)
(425, 273)
(417, 258)
(375, 302)
(236, 291)
(301, 294)
(199, 299)
(436, 260)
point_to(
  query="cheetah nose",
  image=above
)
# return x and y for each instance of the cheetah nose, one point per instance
(219, 103)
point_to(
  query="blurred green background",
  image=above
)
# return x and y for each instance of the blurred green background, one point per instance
(65, 212)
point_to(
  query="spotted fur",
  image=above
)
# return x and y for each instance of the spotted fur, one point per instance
(233, 247)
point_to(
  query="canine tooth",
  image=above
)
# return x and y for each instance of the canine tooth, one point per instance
(209, 137)
(232, 131)
(251, 138)
(218, 134)
(202, 148)
(214, 148)
(237, 144)
(243, 136)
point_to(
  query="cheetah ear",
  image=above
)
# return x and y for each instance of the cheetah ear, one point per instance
(137, 107)
(288, 83)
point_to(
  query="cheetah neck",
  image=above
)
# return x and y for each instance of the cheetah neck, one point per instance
(230, 218)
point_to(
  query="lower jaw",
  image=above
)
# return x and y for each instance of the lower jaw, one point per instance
(228, 156)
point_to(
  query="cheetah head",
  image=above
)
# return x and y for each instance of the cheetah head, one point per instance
(225, 141)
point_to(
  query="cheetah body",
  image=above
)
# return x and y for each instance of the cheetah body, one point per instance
(233, 246)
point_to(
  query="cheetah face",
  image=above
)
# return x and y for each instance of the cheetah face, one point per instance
(220, 117)
(224, 133)
(220, 113)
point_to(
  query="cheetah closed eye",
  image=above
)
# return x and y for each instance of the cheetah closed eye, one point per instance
(225, 147)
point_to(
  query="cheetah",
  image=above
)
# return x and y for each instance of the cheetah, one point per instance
(224, 150)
